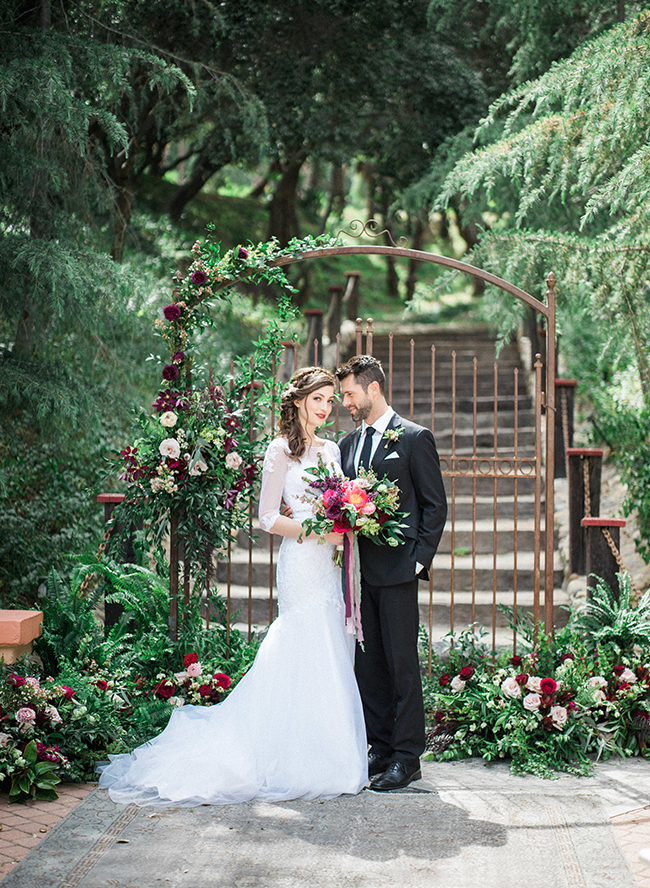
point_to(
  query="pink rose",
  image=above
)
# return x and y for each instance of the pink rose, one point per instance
(532, 702)
(233, 460)
(510, 688)
(558, 715)
(170, 447)
(194, 670)
(369, 509)
(627, 676)
(597, 681)
(199, 467)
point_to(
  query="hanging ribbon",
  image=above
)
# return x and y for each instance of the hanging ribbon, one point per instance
(351, 576)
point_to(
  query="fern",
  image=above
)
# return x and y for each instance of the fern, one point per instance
(615, 622)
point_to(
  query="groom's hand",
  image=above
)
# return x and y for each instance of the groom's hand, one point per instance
(286, 510)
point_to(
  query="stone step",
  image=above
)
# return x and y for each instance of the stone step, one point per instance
(465, 567)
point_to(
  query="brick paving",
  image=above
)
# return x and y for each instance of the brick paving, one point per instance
(23, 826)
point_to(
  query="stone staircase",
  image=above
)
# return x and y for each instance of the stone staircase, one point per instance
(477, 520)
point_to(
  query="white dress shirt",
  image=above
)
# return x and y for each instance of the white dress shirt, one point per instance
(379, 425)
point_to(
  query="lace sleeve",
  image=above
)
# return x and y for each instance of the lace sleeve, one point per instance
(332, 456)
(273, 472)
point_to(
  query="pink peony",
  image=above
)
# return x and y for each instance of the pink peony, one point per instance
(26, 716)
(354, 495)
(194, 670)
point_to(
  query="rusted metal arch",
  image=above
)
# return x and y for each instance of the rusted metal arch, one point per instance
(547, 310)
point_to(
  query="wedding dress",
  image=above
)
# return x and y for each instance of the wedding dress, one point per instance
(293, 727)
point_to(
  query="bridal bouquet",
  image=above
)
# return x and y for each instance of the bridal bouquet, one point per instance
(366, 506)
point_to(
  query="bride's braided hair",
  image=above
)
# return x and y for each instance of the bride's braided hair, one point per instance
(301, 384)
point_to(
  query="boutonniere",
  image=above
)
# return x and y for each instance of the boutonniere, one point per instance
(393, 435)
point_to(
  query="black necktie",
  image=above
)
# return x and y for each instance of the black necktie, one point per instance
(364, 459)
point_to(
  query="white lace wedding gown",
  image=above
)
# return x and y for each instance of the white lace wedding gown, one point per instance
(293, 727)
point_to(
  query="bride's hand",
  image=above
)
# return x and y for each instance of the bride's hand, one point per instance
(336, 539)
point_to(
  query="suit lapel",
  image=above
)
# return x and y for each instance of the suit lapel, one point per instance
(348, 467)
(385, 445)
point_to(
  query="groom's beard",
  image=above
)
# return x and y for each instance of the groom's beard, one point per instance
(362, 410)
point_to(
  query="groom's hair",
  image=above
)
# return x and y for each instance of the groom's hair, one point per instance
(365, 370)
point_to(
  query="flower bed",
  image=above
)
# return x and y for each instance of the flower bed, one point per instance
(551, 709)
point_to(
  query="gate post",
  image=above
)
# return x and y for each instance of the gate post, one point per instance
(549, 493)
(584, 502)
(314, 336)
(564, 391)
(601, 560)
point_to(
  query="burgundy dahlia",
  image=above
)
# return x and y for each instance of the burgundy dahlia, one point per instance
(172, 311)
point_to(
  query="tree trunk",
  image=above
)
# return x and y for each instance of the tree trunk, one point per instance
(392, 279)
(336, 202)
(202, 172)
(469, 233)
(414, 265)
(123, 211)
(283, 219)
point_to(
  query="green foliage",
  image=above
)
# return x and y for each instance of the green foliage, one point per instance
(34, 779)
(613, 622)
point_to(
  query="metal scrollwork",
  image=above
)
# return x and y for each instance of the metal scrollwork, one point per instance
(369, 229)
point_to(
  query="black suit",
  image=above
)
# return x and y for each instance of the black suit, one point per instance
(388, 670)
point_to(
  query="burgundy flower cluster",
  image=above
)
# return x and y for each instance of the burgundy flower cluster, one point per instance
(171, 400)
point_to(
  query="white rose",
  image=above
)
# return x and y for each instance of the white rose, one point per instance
(510, 688)
(534, 684)
(558, 715)
(597, 681)
(168, 419)
(199, 467)
(627, 676)
(181, 676)
(176, 701)
(233, 460)
(457, 684)
(170, 447)
(532, 702)
(599, 696)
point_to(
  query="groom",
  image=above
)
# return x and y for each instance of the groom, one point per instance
(388, 670)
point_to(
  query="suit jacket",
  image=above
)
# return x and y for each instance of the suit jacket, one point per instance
(412, 463)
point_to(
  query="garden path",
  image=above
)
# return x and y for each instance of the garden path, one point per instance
(465, 824)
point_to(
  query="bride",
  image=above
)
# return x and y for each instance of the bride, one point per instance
(293, 727)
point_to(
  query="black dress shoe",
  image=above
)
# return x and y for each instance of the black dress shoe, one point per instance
(377, 764)
(396, 776)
